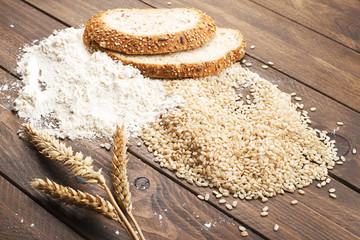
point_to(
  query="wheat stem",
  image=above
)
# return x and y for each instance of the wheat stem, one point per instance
(128, 227)
(119, 175)
(78, 198)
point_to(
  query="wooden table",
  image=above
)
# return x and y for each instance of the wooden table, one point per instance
(315, 47)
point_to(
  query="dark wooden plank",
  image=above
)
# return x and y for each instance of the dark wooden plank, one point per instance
(81, 11)
(164, 211)
(336, 19)
(22, 218)
(351, 125)
(297, 51)
(311, 218)
(20, 25)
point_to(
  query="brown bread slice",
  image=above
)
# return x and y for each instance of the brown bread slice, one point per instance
(150, 31)
(226, 47)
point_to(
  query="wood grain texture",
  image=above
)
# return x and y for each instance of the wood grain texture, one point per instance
(19, 26)
(22, 218)
(309, 219)
(299, 52)
(80, 11)
(333, 108)
(336, 19)
(164, 211)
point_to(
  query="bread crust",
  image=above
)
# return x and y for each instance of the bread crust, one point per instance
(174, 71)
(111, 39)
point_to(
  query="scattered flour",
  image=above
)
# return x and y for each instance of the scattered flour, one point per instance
(81, 95)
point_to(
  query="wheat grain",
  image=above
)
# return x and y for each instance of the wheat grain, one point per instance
(53, 149)
(119, 172)
(75, 197)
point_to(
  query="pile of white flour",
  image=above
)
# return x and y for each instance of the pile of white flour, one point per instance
(81, 95)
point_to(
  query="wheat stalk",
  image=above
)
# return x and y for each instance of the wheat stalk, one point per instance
(119, 174)
(78, 198)
(53, 149)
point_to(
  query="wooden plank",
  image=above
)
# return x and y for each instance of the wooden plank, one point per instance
(76, 13)
(164, 211)
(352, 126)
(22, 218)
(336, 19)
(297, 51)
(21, 25)
(316, 216)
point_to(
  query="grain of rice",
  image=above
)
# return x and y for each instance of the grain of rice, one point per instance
(298, 98)
(248, 64)
(339, 163)
(328, 180)
(242, 228)
(265, 66)
(294, 202)
(264, 214)
(323, 183)
(354, 151)
(276, 227)
(313, 109)
(318, 185)
(219, 195)
(244, 234)
(228, 206)
(201, 197)
(243, 61)
(293, 94)
(207, 196)
(333, 195)
(252, 47)
(332, 190)
(342, 158)
(270, 63)
(265, 209)
(340, 123)
(138, 144)
(221, 201)
(300, 191)
(234, 204)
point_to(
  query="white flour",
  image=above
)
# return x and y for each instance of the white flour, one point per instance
(82, 95)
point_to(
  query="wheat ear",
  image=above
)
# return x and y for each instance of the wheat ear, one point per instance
(119, 174)
(78, 198)
(53, 149)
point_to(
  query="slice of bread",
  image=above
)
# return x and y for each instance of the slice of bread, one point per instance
(150, 31)
(226, 47)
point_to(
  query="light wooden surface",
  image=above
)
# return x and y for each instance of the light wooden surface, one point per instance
(315, 48)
